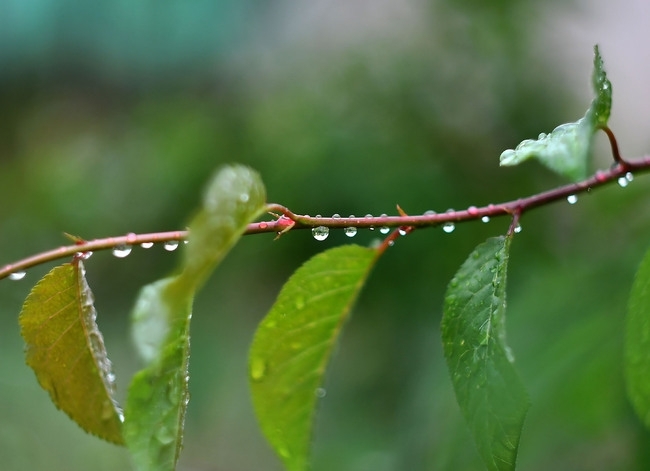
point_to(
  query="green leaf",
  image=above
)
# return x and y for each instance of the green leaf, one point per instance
(567, 148)
(66, 350)
(158, 395)
(293, 344)
(637, 342)
(488, 389)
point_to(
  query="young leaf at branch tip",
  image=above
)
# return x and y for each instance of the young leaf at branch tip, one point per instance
(294, 342)
(488, 389)
(637, 342)
(66, 351)
(567, 148)
(158, 395)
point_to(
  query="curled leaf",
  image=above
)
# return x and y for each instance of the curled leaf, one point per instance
(158, 395)
(293, 344)
(66, 350)
(567, 148)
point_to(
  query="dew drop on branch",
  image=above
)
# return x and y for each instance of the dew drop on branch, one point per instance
(625, 180)
(517, 228)
(449, 227)
(17, 275)
(369, 216)
(146, 245)
(350, 231)
(572, 199)
(122, 251)
(485, 219)
(384, 229)
(320, 233)
(170, 245)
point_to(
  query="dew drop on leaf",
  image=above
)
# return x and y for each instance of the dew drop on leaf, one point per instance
(572, 199)
(121, 251)
(258, 369)
(170, 245)
(17, 275)
(320, 233)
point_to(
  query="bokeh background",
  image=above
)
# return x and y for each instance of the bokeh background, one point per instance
(114, 114)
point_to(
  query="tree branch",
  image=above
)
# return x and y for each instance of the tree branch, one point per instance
(286, 220)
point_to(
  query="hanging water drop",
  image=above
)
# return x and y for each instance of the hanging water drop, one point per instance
(485, 219)
(121, 251)
(402, 231)
(17, 275)
(517, 228)
(84, 255)
(146, 245)
(350, 231)
(170, 245)
(384, 229)
(369, 216)
(320, 233)
(623, 182)
(448, 227)
(629, 176)
(572, 199)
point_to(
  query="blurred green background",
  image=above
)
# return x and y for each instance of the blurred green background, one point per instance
(114, 114)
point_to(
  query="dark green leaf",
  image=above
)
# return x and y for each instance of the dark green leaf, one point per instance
(293, 344)
(567, 148)
(488, 389)
(637, 342)
(66, 350)
(158, 394)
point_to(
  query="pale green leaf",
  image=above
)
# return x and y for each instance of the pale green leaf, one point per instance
(488, 389)
(293, 344)
(637, 342)
(66, 350)
(158, 395)
(567, 148)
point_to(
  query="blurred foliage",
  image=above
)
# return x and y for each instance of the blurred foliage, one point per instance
(115, 114)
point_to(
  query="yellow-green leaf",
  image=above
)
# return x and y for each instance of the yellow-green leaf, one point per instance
(293, 344)
(66, 350)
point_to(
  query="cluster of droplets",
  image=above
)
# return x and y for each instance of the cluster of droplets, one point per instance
(124, 250)
(625, 180)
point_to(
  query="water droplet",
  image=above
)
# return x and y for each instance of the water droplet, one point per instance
(84, 255)
(350, 231)
(369, 216)
(518, 228)
(384, 229)
(485, 219)
(17, 275)
(320, 233)
(572, 199)
(430, 212)
(258, 369)
(244, 197)
(122, 251)
(629, 176)
(391, 243)
(542, 135)
(164, 435)
(449, 227)
(336, 216)
(320, 392)
(186, 241)
(146, 245)
(170, 245)
(623, 182)
(402, 231)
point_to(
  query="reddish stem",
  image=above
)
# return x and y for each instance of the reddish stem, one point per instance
(291, 221)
